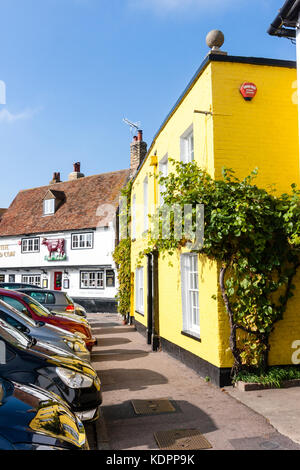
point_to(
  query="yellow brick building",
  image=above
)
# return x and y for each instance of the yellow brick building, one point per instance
(213, 124)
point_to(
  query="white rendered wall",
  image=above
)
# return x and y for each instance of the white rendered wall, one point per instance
(13, 261)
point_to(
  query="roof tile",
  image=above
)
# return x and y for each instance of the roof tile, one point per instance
(80, 210)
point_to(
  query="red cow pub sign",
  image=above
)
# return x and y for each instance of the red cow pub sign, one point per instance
(248, 90)
(56, 249)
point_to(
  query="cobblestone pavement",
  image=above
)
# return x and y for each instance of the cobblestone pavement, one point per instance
(129, 370)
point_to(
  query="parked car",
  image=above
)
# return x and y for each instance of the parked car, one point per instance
(34, 419)
(58, 301)
(41, 331)
(27, 361)
(16, 285)
(70, 322)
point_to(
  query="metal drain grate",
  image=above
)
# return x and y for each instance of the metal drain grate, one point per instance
(181, 439)
(150, 407)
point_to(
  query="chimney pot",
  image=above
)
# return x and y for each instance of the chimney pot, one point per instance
(56, 178)
(138, 151)
(76, 174)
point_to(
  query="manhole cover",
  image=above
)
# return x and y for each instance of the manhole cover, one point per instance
(181, 439)
(150, 407)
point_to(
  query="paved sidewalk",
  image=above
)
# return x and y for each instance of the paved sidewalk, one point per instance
(130, 370)
(281, 407)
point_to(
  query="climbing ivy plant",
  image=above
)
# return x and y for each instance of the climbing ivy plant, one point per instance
(122, 255)
(254, 236)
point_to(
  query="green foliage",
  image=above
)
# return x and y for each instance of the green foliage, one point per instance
(255, 237)
(273, 378)
(121, 257)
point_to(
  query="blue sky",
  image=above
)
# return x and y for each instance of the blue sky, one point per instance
(74, 68)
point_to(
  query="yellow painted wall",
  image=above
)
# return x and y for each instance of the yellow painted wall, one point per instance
(261, 133)
(240, 135)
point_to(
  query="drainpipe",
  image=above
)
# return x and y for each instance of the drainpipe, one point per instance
(149, 299)
(276, 28)
(155, 303)
(152, 302)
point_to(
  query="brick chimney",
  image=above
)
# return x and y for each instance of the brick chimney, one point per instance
(138, 151)
(56, 178)
(76, 174)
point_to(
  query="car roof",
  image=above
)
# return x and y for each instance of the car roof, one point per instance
(29, 289)
(13, 293)
(24, 284)
(10, 292)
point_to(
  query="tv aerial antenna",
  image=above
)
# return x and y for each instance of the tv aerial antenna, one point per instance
(134, 126)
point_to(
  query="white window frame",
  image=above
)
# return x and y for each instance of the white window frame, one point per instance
(146, 204)
(92, 279)
(187, 145)
(49, 206)
(190, 294)
(163, 169)
(139, 290)
(34, 279)
(30, 245)
(82, 241)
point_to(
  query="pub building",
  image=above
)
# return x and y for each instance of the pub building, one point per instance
(62, 237)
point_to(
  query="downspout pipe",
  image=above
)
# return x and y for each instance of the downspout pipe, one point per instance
(276, 28)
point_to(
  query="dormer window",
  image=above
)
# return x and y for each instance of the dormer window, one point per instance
(52, 201)
(49, 206)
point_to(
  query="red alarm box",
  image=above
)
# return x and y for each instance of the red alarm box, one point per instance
(248, 90)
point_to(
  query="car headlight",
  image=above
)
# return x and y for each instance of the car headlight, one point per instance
(74, 379)
(76, 346)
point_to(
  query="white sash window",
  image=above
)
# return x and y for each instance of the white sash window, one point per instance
(187, 146)
(163, 169)
(190, 294)
(139, 290)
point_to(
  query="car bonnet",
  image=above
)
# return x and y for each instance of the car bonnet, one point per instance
(31, 411)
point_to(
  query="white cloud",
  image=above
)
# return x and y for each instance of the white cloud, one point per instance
(8, 117)
(169, 6)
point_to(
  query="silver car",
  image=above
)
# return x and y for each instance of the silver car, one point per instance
(58, 301)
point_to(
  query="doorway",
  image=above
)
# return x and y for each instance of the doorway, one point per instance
(58, 280)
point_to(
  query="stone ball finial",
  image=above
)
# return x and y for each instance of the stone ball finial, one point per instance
(215, 39)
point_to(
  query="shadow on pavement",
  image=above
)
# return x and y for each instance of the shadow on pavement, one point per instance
(130, 379)
(95, 324)
(118, 355)
(140, 429)
(113, 341)
(109, 331)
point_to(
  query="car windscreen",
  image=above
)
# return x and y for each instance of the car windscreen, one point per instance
(12, 335)
(38, 308)
(26, 319)
(40, 297)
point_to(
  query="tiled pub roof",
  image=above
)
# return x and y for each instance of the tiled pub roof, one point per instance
(80, 209)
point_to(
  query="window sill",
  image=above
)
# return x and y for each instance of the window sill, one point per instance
(140, 313)
(191, 335)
